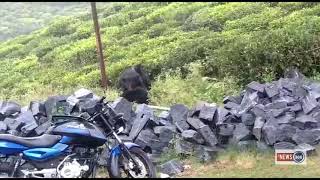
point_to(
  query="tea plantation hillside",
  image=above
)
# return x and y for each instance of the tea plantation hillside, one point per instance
(232, 43)
(17, 18)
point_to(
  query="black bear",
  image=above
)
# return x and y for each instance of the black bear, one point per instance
(134, 83)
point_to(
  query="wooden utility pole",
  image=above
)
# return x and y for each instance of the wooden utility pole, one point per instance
(99, 46)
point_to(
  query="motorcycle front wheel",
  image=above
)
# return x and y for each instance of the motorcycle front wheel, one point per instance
(146, 170)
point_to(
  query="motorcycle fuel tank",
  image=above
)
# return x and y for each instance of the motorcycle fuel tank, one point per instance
(80, 132)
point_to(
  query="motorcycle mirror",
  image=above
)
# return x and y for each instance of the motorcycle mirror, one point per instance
(102, 99)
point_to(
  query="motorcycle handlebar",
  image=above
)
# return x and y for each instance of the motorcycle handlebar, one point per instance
(112, 113)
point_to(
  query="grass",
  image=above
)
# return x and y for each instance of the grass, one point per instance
(42, 93)
(250, 164)
(233, 163)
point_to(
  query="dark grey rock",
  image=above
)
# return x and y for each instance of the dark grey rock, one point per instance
(28, 128)
(73, 101)
(286, 118)
(231, 105)
(207, 112)
(223, 141)
(41, 120)
(195, 123)
(192, 136)
(167, 135)
(83, 94)
(286, 132)
(163, 129)
(308, 104)
(3, 127)
(231, 119)
(306, 147)
(147, 138)
(24, 108)
(299, 92)
(195, 111)
(296, 107)
(284, 145)
(121, 105)
(42, 128)
(163, 122)
(206, 153)
(247, 119)
(234, 99)
(315, 94)
(153, 121)
(271, 90)
(220, 115)
(165, 115)
(208, 135)
(182, 125)
(26, 117)
(13, 132)
(241, 133)
(257, 128)
(276, 105)
(183, 146)
(311, 137)
(249, 100)
(264, 101)
(13, 123)
(316, 116)
(178, 112)
(138, 124)
(51, 105)
(259, 111)
(144, 110)
(172, 167)
(226, 129)
(289, 100)
(8, 108)
(37, 108)
(85, 105)
(305, 122)
(288, 84)
(256, 86)
(276, 133)
(278, 112)
(262, 146)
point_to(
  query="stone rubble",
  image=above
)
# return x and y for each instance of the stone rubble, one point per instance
(279, 114)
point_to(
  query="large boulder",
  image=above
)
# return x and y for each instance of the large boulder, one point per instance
(8, 108)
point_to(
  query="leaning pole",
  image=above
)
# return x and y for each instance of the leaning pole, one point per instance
(99, 46)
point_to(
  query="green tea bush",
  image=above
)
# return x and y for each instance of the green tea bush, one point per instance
(232, 43)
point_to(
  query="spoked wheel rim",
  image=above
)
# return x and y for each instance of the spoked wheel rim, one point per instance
(128, 171)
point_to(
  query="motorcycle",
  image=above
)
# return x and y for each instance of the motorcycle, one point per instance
(71, 148)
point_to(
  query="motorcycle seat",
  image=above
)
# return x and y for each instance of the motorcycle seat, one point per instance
(43, 141)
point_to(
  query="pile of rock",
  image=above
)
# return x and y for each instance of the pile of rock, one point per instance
(35, 119)
(279, 114)
(283, 114)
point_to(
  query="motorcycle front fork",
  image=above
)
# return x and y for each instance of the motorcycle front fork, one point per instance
(123, 148)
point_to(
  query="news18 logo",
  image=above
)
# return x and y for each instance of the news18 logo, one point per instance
(290, 156)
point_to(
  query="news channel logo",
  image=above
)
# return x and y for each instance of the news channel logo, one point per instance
(290, 157)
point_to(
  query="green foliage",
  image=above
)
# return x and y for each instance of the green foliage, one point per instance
(171, 88)
(17, 18)
(233, 43)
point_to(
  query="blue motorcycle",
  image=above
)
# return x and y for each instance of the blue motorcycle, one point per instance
(71, 148)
